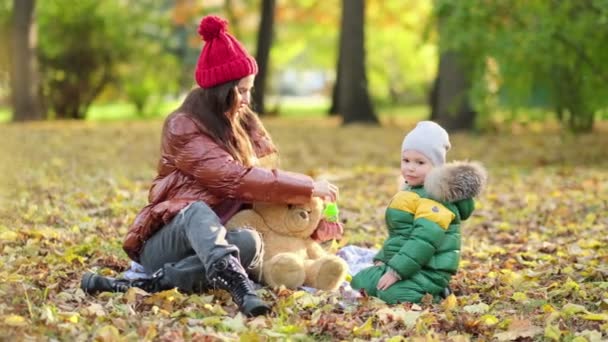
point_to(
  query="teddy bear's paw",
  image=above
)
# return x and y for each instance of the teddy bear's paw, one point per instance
(284, 269)
(331, 273)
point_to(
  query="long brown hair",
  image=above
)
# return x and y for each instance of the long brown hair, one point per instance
(233, 131)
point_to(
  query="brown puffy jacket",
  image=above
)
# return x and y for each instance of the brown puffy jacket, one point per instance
(193, 167)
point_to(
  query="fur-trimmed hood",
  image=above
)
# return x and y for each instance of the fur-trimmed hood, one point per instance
(456, 181)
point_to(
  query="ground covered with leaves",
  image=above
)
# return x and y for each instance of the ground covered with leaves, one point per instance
(534, 261)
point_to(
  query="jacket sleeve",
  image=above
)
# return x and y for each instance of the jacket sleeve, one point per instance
(379, 256)
(431, 221)
(197, 155)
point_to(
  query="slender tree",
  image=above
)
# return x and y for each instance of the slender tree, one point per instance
(449, 100)
(335, 98)
(355, 104)
(265, 37)
(24, 75)
(449, 97)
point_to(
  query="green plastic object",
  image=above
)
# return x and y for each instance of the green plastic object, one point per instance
(331, 212)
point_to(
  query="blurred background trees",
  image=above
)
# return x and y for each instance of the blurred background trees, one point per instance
(471, 64)
(541, 54)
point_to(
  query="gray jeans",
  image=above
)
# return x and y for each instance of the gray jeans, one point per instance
(192, 242)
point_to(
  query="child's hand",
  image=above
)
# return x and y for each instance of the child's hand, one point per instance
(378, 263)
(388, 279)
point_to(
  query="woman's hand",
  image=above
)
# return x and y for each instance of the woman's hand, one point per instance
(388, 279)
(325, 189)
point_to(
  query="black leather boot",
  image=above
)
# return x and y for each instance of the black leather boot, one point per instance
(92, 283)
(228, 274)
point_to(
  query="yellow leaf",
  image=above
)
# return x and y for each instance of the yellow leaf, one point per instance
(548, 308)
(9, 236)
(298, 294)
(504, 226)
(307, 300)
(365, 329)
(250, 336)
(212, 320)
(15, 278)
(134, 294)
(396, 339)
(571, 309)
(151, 333)
(519, 297)
(552, 332)
(94, 309)
(15, 321)
(388, 314)
(579, 339)
(588, 336)
(488, 320)
(108, 333)
(48, 314)
(450, 303)
(72, 318)
(236, 324)
(518, 328)
(477, 308)
(258, 322)
(596, 317)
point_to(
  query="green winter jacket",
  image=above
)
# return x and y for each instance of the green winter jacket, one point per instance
(423, 243)
(424, 237)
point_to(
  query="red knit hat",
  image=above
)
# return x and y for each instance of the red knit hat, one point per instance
(223, 58)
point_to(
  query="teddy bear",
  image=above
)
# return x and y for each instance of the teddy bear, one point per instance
(291, 257)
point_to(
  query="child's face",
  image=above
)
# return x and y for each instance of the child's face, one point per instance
(414, 167)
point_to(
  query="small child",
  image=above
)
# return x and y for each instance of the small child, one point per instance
(422, 250)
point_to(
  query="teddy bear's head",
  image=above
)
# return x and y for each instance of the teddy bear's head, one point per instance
(292, 220)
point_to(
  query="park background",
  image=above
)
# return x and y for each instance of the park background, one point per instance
(520, 86)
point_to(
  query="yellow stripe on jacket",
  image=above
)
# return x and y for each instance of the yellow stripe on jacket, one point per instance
(405, 201)
(435, 212)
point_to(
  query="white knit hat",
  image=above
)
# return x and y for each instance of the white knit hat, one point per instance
(429, 139)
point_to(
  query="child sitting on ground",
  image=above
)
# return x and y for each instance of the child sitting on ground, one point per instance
(422, 250)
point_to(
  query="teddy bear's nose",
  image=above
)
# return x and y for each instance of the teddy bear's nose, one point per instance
(304, 215)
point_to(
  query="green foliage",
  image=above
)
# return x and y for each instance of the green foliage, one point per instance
(533, 260)
(79, 48)
(400, 62)
(146, 76)
(524, 53)
(5, 12)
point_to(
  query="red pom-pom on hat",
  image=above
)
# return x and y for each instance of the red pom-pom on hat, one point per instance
(211, 26)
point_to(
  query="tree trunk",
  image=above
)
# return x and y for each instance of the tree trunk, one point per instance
(354, 102)
(450, 104)
(24, 76)
(263, 50)
(335, 98)
(449, 95)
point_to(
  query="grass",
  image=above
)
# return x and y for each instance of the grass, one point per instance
(289, 108)
(5, 114)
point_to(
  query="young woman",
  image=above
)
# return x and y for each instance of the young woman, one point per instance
(208, 171)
